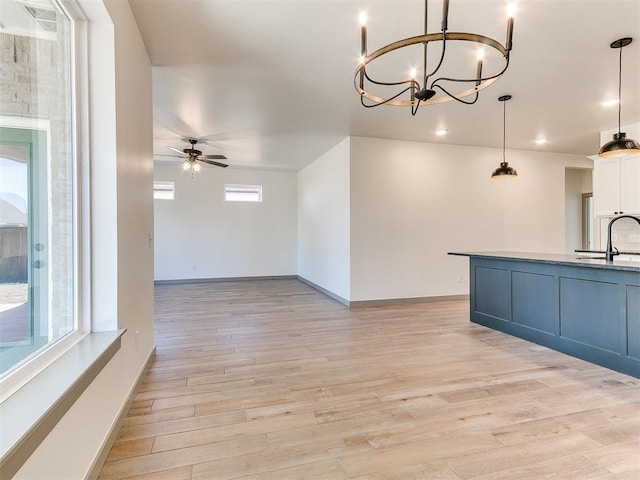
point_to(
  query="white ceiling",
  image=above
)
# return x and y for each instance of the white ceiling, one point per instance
(270, 83)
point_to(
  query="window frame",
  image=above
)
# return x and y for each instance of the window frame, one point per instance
(19, 376)
(157, 187)
(240, 188)
(50, 389)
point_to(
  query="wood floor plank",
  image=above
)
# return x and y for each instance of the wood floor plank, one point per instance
(130, 448)
(617, 458)
(157, 462)
(418, 452)
(150, 386)
(183, 473)
(364, 425)
(180, 425)
(203, 436)
(160, 416)
(595, 421)
(617, 431)
(321, 470)
(513, 456)
(574, 467)
(273, 460)
(272, 380)
(631, 475)
(431, 471)
(185, 389)
(433, 428)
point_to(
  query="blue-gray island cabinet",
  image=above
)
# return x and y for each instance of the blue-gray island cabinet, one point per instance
(586, 308)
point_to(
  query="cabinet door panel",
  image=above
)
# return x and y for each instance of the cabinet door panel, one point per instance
(630, 185)
(606, 187)
(590, 313)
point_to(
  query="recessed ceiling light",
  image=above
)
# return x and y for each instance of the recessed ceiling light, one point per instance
(441, 132)
(540, 141)
(610, 103)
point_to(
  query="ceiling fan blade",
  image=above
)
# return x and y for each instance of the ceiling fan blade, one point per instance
(213, 157)
(211, 162)
(169, 156)
(176, 150)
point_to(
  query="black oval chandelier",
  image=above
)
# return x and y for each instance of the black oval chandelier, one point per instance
(430, 88)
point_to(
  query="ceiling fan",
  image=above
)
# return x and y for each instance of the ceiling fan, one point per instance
(192, 156)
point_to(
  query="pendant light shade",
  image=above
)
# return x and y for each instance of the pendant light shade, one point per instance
(620, 145)
(504, 170)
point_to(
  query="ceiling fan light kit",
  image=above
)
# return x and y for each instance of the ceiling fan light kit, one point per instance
(191, 165)
(192, 156)
(504, 170)
(429, 88)
(620, 145)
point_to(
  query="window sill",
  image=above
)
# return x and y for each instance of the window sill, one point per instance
(31, 413)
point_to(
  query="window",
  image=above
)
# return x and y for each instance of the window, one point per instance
(164, 190)
(37, 181)
(243, 193)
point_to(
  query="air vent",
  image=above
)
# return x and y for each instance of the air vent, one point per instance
(45, 18)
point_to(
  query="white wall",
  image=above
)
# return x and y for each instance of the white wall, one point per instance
(324, 218)
(199, 235)
(411, 203)
(122, 217)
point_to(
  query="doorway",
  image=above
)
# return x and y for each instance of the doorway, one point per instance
(588, 233)
(24, 255)
(578, 210)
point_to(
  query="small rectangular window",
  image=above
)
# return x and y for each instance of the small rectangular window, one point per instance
(243, 193)
(164, 190)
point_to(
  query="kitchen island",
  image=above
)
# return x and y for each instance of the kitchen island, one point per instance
(585, 307)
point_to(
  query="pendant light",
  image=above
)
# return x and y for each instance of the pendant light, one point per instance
(620, 145)
(504, 170)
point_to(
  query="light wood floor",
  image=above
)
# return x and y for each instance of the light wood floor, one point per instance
(273, 380)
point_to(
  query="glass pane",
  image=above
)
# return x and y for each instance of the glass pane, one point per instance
(163, 190)
(15, 324)
(243, 193)
(36, 181)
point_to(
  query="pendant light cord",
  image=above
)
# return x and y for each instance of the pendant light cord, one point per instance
(619, 89)
(504, 131)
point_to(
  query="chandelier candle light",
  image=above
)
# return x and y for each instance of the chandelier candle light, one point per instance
(412, 91)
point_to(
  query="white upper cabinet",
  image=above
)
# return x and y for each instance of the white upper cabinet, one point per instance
(616, 186)
(630, 185)
(606, 187)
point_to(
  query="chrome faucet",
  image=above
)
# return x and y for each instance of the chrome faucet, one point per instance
(609, 253)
